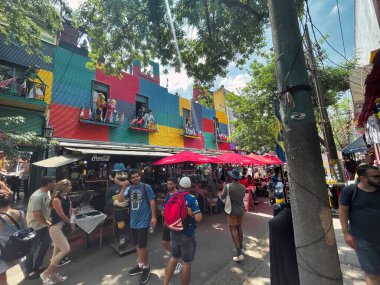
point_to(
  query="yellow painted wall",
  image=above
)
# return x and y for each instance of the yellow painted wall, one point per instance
(167, 136)
(222, 117)
(219, 100)
(47, 76)
(184, 104)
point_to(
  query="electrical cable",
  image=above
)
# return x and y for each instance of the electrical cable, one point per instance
(341, 29)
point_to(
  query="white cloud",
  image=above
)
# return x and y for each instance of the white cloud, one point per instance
(74, 4)
(178, 82)
(235, 83)
(333, 11)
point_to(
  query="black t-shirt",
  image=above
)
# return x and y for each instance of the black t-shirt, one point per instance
(364, 214)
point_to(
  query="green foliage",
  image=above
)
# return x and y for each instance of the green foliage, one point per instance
(11, 138)
(254, 107)
(23, 21)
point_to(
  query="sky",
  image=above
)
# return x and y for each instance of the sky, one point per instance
(324, 14)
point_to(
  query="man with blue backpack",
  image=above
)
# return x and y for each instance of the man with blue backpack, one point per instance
(359, 213)
(181, 213)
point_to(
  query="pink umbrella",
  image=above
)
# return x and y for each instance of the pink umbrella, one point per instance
(230, 157)
(185, 156)
(261, 158)
(273, 159)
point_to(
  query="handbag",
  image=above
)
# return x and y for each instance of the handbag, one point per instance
(227, 203)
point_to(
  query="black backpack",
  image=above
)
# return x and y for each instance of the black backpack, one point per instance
(19, 243)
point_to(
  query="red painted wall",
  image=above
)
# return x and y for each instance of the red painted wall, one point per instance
(208, 126)
(65, 121)
(223, 146)
(194, 143)
(123, 89)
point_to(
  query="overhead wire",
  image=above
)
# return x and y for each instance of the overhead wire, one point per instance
(341, 29)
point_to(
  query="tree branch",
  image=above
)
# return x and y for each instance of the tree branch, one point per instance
(237, 3)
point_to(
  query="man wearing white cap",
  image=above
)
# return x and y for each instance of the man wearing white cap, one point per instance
(183, 242)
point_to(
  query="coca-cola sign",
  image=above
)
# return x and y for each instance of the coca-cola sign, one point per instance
(101, 158)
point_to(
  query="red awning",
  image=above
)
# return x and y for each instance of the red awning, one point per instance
(261, 158)
(273, 159)
(235, 158)
(186, 156)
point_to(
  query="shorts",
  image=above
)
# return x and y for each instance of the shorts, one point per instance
(166, 234)
(121, 215)
(235, 220)
(183, 246)
(140, 237)
(369, 256)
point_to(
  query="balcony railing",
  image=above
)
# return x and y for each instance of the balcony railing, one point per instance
(190, 132)
(143, 124)
(18, 87)
(112, 119)
(221, 138)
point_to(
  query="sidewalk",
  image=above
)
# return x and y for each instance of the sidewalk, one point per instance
(349, 264)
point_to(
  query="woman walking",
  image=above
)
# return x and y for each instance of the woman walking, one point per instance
(7, 227)
(236, 191)
(60, 218)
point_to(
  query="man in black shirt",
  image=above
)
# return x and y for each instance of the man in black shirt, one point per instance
(359, 214)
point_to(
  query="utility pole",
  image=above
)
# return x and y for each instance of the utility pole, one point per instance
(332, 153)
(317, 255)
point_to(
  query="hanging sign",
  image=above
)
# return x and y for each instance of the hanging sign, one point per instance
(101, 158)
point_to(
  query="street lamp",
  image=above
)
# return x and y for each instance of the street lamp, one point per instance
(48, 133)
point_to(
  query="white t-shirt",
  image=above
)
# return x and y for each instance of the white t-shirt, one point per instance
(39, 201)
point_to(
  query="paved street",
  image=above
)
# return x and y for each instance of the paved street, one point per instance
(213, 263)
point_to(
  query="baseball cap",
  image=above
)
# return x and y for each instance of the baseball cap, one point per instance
(119, 167)
(185, 182)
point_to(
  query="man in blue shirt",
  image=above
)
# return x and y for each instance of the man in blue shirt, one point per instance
(183, 243)
(143, 215)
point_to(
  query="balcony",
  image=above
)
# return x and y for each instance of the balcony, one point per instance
(143, 124)
(110, 119)
(221, 138)
(14, 93)
(191, 133)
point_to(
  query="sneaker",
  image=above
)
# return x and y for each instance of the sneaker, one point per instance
(178, 268)
(238, 258)
(46, 280)
(145, 276)
(64, 261)
(242, 251)
(135, 270)
(56, 277)
(32, 276)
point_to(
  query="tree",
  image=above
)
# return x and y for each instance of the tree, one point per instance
(210, 34)
(254, 107)
(22, 23)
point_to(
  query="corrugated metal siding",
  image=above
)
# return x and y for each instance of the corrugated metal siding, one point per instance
(209, 141)
(208, 126)
(33, 120)
(223, 128)
(70, 96)
(175, 121)
(18, 56)
(157, 95)
(223, 146)
(172, 104)
(47, 76)
(194, 143)
(124, 88)
(184, 104)
(166, 136)
(222, 117)
(208, 113)
(219, 101)
(65, 121)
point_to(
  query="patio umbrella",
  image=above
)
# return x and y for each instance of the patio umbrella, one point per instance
(230, 157)
(185, 156)
(261, 158)
(273, 159)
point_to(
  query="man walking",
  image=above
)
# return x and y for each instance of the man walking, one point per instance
(236, 191)
(359, 213)
(38, 218)
(143, 216)
(183, 243)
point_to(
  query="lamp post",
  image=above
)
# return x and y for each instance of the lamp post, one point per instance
(48, 133)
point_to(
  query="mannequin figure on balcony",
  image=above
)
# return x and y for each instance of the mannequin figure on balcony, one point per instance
(139, 117)
(30, 75)
(100, 106)
(148, 120)
(111, 111)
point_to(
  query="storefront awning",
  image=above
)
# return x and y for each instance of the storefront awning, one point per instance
(358, 145)
(58, 160)
(119, 152)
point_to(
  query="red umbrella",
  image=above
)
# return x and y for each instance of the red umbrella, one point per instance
(231, 157)
(273, 159)
(261, 158)
(185, 156)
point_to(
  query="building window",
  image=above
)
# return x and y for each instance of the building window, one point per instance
(100, 95)
(143, 118)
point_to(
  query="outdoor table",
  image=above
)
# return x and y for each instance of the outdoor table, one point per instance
(88, 220)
